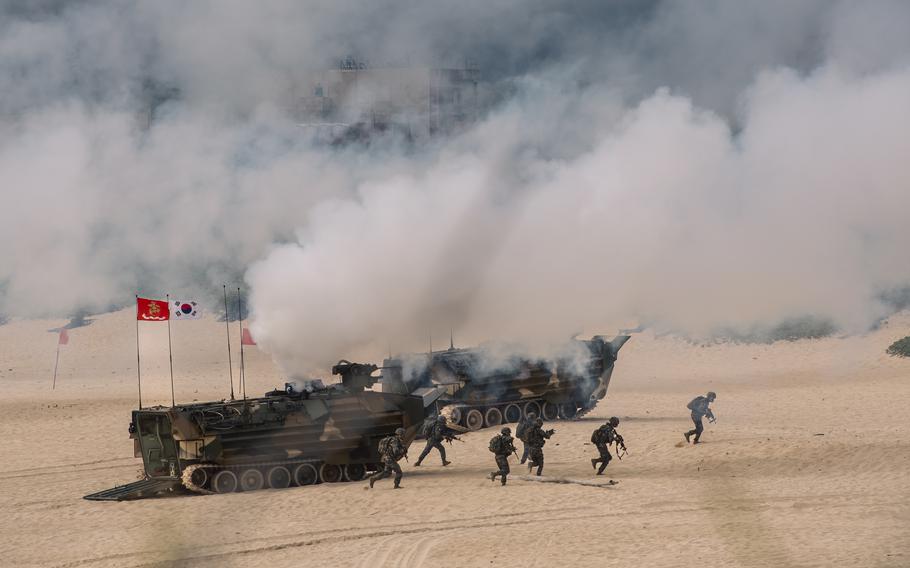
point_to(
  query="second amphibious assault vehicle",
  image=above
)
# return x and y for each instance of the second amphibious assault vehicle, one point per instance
(478, 393)
(302, 435)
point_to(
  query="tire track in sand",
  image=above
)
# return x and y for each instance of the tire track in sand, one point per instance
(390, 552)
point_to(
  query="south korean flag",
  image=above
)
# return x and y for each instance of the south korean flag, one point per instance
(185, 310)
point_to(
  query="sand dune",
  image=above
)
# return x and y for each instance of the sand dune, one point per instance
(807, 466)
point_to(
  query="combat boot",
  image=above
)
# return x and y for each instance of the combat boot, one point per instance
(594, 463)
(445, 463)
(687, 435)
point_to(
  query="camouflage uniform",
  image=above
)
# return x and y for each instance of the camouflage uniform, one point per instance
(602, 438)
(699, 408)
(536, 438)
(396, 451)
(524, 425)
(506, 448)
(436, 433)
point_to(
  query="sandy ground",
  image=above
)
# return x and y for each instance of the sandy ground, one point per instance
(808, 465)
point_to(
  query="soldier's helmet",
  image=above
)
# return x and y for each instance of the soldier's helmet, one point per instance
(532, 416)
(506, 430)
(441, 419)
(399, 432)
(614, 421)
(711, 395)
(539, 422)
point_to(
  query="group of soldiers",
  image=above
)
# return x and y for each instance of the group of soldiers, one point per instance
(531, 433)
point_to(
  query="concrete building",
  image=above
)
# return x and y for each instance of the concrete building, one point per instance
(355, 101)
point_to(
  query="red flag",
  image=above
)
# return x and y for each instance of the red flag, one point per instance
(152, 310)
(246, 338)
(64, 337)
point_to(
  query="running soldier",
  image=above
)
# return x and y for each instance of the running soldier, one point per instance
(391, 449)
(521, 431)
(602, 438)
(699, 408)
(436, 432)
(536, 438)
(502, 447)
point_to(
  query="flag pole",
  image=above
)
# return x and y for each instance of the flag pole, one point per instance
(138, 367)
(170, 352)
(56, 360)
(240, 320)
(227, 329)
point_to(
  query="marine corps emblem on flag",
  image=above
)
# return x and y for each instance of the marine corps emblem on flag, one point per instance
(184, 310)
(151, 310)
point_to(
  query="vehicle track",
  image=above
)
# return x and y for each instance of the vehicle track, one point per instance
(68, 471)
(63, 465)
(417, 553)
(185, 561)
(289, 541)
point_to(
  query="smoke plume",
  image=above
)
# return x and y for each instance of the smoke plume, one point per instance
(696, 166)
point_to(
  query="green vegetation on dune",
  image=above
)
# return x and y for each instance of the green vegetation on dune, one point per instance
(900, 348)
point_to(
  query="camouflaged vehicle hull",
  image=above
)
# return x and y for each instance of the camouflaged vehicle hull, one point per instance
(281, 440)
(475, 396)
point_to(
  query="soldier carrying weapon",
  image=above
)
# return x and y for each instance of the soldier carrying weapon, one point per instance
(699, 408)
(391, 449)
(502, 447)
(436, 431)
(536, 437)
(602, 438)
(521, 432)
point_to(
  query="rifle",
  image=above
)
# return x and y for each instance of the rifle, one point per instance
(620, 447)
(711, 418)
(450, 438)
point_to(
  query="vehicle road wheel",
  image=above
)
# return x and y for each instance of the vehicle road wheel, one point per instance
(550, 411)
(568, 410)
(225, 481)
(251, 480)
(492, 417)
(355, 471)
(199, 477)
(455, 414)
(306, 474)
(473, 420)
(532, 407)
(279, 477)
(512, 413)
(330, 473)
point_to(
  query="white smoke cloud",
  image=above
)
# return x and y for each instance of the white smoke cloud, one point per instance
(667, 217)
(694, 166)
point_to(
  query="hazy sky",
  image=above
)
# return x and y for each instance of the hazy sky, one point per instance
(696, 165)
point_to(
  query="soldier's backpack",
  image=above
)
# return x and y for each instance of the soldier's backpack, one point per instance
(694, 403)
(385, 446)
(428, 427)
(602, 436)
(496, 444)
(521, 430)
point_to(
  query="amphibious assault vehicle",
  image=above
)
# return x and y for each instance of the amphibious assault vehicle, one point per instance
(482, 389)
(302, 435)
